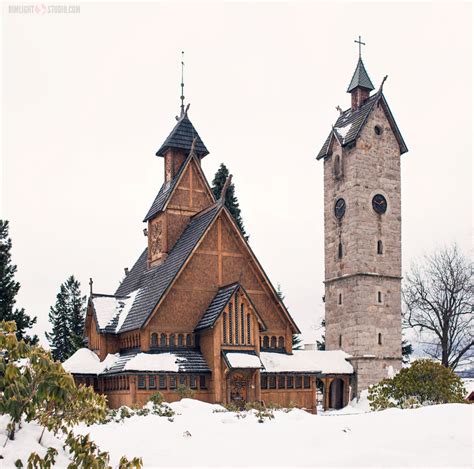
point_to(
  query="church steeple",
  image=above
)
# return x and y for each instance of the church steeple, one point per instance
(360, 85)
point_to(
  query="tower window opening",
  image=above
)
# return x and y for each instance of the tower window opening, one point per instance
(340, 341)
(379, 297)
(339, 251)
(380, 339)
(339, 301)
(378, 130)
(379, 247)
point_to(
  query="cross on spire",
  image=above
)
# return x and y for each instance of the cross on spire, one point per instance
(360, 45)
(182, 83)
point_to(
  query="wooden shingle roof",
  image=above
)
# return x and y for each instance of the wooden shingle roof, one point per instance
(181, 138)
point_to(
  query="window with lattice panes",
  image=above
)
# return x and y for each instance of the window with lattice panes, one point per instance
(281, 382)
(162, 381)
(152, 382)
(141, 382)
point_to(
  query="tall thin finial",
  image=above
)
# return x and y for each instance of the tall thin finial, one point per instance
(360, 46)
(91, 282)
(182, 83)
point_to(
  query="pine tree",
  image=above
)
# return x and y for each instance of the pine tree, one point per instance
(9, 289)
(321, 344)
(67, 319)
(231, 201)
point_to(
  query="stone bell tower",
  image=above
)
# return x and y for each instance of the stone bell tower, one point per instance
(362, 224)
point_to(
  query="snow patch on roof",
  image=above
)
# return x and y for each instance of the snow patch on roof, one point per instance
(343, 131)
(243, 360)
(154, 362)
(310, 361)
(86, 362)
(107, 308)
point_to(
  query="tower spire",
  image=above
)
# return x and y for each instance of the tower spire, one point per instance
(182, 84)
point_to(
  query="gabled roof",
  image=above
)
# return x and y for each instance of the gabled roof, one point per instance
(360, 78)
(167, 189)
(155, 282)
(350, 124)
(181, 138)
(219, 302)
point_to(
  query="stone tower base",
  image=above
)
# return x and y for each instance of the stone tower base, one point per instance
(371, 370)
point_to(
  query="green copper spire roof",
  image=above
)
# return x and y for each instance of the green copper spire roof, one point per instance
(360, 78)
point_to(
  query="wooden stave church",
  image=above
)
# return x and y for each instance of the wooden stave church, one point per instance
(199, 294)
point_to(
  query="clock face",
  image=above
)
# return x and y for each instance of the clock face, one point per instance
(340, 208)
(379, 203)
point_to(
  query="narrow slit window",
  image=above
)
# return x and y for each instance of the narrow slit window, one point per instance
(379, 297)
(224, 327)
(380, 339)
(249, 338)
(231, 329)
(339, 301)
(340, 341)
(339, 251)
(242, 328)
(236, 321)
(379, 247)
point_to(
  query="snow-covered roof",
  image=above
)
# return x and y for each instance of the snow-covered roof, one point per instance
(309, 361)
(153, 362)
(86, 362)
(243, 360)
(111, 311)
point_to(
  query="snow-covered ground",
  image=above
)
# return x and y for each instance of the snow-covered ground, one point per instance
(437, 436)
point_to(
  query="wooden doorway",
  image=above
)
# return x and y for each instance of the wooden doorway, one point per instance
(238, 389)
(336, 394)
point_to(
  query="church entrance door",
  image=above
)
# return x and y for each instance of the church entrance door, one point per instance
(239, 385)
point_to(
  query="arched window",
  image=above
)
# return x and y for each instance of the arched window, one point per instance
(231, 327)
(339, 251)
(273, 343)
(266, 341)
(224, 328)
(337, 167)
(172, 340)
(281, 342)
(249, 338)
(154, 339)
(242, 328)
(163, 340)
(188, 340)
(380, 339)
(180, 340)
(379, 247)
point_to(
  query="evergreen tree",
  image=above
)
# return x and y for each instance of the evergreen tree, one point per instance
(321, 344)
(407, 350)
(9, 289)
(231, 201)
(67, 319)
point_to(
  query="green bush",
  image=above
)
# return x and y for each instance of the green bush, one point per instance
(185, 392)
(156, 399)
(425, 382)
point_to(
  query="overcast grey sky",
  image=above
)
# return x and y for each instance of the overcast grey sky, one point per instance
(89, 97)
